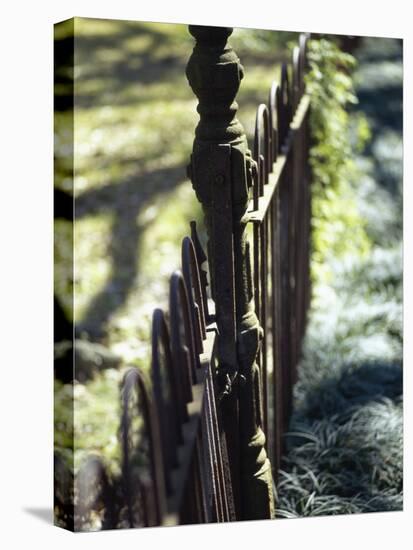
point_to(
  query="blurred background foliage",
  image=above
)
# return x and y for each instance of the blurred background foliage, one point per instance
(134, 121)
(338, 227)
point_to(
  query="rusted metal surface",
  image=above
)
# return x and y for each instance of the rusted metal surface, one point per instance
(221, 172)
(280, 210)
(203, 442)
(267, 293)
(175, 466)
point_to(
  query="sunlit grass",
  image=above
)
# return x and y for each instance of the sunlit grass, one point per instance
(92, 265)
(164, 224)
(96, 418)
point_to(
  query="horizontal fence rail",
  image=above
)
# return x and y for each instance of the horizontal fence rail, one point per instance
(280, 212)
(179, 431)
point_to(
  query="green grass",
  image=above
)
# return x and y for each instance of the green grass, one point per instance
(345, 442)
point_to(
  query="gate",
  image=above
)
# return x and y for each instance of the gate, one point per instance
(203, 444)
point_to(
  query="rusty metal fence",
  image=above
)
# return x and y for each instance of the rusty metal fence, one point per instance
(222, 375)
(280, 213)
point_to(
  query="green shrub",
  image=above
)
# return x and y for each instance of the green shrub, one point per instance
(338, 228)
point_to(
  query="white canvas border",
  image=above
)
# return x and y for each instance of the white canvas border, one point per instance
(26, 122)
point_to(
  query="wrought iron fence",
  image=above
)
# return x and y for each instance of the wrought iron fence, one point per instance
(223, 367)
(280, 213)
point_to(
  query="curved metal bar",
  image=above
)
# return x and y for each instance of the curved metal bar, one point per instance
(302, 44)
(201, 258)
(273, 101)
(262, 145)
(255, 187)
(284, 110)
(285, 84)
(296, 68)
(131, 487)
(152, 510)
(93, 487)
(182, 333)
(170, 403)
(193, 284)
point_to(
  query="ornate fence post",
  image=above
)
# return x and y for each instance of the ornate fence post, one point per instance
(221, 170)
